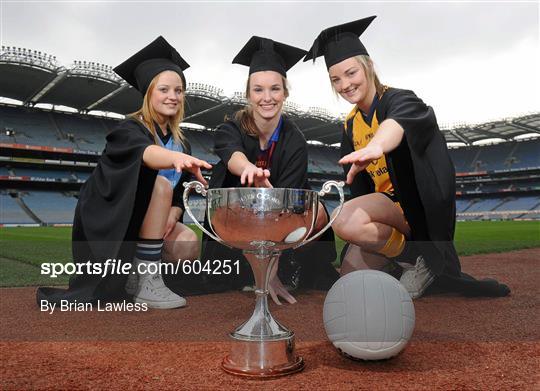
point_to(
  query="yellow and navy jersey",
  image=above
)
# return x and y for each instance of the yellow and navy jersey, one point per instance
(362, 133)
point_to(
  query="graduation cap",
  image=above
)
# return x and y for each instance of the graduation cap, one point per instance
(143, 66)
(340, 42)
(263, 54)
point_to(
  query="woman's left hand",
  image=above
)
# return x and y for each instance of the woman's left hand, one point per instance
(361, 159)
(192, 164)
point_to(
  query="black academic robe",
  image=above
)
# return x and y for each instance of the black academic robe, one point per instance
(110, 211)
(289, 166)
(423, 177)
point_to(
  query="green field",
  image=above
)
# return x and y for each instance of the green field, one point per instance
(23, 249)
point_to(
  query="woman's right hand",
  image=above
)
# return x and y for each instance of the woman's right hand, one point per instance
(182, 161)
(255, 176)
(360, 159)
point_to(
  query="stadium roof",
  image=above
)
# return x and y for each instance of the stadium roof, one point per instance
(34, 77)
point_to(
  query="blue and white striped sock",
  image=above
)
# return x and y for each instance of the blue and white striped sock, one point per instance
(148, 251)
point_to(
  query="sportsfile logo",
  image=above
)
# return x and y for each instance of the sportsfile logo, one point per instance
(113, 266)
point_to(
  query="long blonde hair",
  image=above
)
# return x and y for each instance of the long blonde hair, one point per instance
(148, 116)
(369, 69)
(245, 115)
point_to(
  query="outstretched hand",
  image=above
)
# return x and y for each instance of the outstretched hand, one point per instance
(360, 159)
(255, 176)
(191, 164)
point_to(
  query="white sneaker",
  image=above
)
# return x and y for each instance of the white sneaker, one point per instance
(416, 279)
(132, 283)
(153, 292)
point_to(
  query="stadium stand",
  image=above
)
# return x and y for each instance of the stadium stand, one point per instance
(493, 196)
(503, 156)
(493, 157)
(51, 207)
(462, 205)
(324, 160)
(526, 155)
(484, 204)
(86, 133)
(32, 127)
(463, 158)
(51, 153)
(520, 203)
(202, 145)
(11, 212)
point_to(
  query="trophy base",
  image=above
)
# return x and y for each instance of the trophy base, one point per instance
(263, 359)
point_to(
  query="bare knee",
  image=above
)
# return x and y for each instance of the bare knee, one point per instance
(162, 189)
(188, 246)
(350, 223)
(358, 233)
(185, 245)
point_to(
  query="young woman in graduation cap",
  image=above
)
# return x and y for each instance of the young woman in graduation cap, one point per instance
(132, 201)
(400, 173)
(261, 147)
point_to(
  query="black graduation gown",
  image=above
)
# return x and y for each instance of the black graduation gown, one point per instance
(423, 177)
(289, 167)
(110, 211)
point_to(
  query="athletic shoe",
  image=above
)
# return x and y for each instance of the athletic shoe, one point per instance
(153, 292)
(132, 283)
(416, 279)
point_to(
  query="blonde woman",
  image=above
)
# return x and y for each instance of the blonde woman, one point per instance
(132, 201)
(400, 173)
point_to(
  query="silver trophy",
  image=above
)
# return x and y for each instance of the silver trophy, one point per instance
(262, 223)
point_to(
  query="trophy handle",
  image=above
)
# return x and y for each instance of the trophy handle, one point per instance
(199, 188)
(326, 187)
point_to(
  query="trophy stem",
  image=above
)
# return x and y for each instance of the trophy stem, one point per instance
(261, 325)
(262, 347)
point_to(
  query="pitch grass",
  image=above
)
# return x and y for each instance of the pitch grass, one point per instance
(23, 249)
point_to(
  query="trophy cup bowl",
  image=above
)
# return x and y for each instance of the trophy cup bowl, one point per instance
(262, 223)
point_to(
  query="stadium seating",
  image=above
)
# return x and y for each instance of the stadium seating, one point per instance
(463, 158)
(484, 204)
(324, 160)
(521, 203)
(493, 157)
(11, 212)
(87, 133)
(526, 155)
(504, 156)
(462, 204)
(32, 127)
(51, 207)
(493, 195)
(202, 145)
(4, 138)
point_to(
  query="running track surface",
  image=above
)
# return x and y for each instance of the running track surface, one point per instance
(458, 343)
